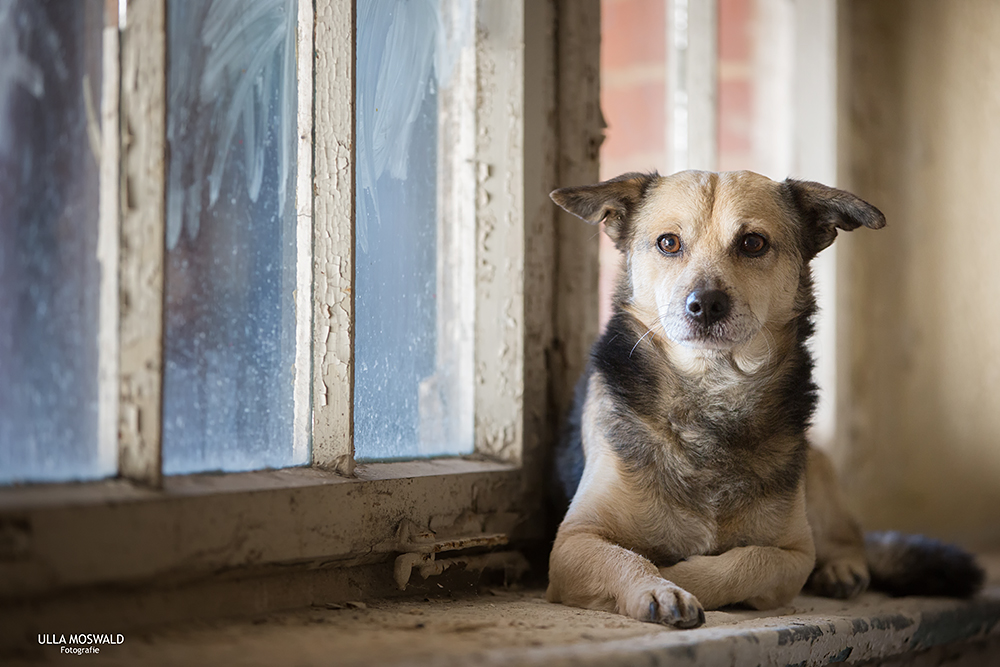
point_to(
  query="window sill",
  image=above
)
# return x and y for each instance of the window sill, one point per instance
(33, 496)
(62, 536)
(506, 628)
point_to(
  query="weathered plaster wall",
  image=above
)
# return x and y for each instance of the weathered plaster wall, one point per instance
(919, 391)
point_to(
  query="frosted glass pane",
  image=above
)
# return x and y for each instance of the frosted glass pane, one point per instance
(50, 53)
(230, 274)
(413, 355)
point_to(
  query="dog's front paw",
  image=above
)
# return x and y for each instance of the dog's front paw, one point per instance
(666, 603)
(842, 579)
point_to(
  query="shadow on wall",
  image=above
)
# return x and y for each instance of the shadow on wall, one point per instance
(920, 400)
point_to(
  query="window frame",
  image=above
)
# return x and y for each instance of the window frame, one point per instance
(536, 267)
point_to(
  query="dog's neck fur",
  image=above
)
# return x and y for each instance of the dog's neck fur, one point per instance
(720, 406)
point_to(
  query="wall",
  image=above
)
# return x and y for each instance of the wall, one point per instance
(919, 385)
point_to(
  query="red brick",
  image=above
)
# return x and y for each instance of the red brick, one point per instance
(735, 30)
(735, 116)
(633, 32)
(735, 98)
(635, 118)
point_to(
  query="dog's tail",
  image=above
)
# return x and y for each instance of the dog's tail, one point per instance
(916, 565)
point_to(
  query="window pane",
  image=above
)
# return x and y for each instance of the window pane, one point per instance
(415, 228)
(230, 275)
(50, 69)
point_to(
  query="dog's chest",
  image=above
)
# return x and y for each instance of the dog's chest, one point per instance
(709, 464)
(711, 418)
(705, 496)
(709, 522)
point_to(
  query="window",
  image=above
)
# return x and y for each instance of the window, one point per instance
(415, 228)
(55, 240)
(230, 274)
(262, 249)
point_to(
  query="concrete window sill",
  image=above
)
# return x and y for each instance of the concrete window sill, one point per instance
(502, 627)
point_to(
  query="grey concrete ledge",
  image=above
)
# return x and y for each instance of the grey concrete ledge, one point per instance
(815, 632)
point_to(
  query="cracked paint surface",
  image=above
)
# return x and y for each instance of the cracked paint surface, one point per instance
(333, 247)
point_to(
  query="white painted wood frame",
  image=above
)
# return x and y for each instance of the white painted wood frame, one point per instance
(142, 247)
(108, 245)
(304, 234)
(333, 236)
(499, 329)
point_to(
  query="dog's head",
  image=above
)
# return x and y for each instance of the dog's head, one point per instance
(714, 259)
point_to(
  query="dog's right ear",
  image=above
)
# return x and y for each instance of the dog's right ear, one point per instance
(612, 202)
(824, 210)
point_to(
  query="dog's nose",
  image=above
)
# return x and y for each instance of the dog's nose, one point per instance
(707, 306)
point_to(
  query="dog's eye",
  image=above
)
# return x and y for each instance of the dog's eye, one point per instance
(669, 244)
(753, 245)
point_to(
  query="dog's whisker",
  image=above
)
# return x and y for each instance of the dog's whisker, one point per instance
(772, 346)
(639, 341)
(768, 340)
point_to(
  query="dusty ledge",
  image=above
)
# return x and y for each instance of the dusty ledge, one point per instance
(519, 628)
(814, 632)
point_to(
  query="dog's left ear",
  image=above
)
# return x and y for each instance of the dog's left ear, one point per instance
(612, 202)
(823, 210)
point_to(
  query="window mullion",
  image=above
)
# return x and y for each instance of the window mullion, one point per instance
(304, 230)
(499, 327)
(333, 247)
(108, 246)
(141, 267)
(692, 44)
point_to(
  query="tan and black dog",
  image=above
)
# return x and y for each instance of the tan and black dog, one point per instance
(691, 482)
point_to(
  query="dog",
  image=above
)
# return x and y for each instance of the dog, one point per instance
(689, 480)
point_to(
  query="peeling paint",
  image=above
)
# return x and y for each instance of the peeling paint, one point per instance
(893, 622)
(141, 254)
(427, 565)
(953, 625)
(799, 633)
(500, 236)
(842, 656)
(333, 390)
(304, 233)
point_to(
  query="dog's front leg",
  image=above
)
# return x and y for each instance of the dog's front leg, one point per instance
(763, 577)
(586, 570)
(841, 566)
